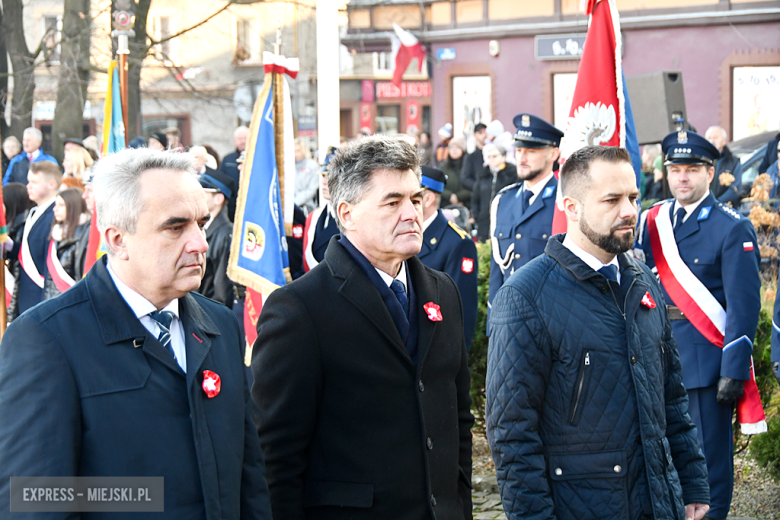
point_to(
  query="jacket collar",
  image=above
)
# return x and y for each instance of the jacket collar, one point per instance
(691, 224)
(118, 323)
(435, 231)
(539, 202)
(629, 269)
(360, 292)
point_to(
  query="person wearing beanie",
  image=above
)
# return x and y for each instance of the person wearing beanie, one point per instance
(445, 134)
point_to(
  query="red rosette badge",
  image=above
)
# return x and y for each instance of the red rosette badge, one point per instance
(212, 384)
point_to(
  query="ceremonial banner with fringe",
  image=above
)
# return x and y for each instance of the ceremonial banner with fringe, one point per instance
(265, 201)
(600, 111)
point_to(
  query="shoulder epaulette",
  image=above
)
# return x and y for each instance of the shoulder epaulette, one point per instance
(661, 202)
(463, 234)
(507, 188)
(728, 210)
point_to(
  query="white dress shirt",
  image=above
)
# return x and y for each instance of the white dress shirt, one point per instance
(401, 277)
(537, 188)
(142, 307)
(689, 209)
(593, 262)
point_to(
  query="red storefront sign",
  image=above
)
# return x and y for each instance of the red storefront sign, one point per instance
(409, 89)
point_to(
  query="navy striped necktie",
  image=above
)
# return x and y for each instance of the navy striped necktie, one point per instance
(164, 320)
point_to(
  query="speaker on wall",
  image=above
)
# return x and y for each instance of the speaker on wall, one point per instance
(658, 104)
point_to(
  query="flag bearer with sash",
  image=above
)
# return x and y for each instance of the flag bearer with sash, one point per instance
(706, 256)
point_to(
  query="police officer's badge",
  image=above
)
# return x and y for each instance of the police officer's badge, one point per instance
(526, 121)
(682, 137)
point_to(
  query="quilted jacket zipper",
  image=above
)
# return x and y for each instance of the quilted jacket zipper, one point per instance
(580, 385)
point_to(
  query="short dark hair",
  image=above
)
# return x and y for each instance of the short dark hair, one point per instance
(351, 170)
(575, 172)
(479, 126)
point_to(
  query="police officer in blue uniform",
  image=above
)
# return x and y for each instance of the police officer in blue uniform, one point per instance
(719, 247)
(448, 248)
(522, 213)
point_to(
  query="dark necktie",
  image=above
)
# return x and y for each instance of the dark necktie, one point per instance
(164, 320)
(400, 293)
(679, 216)
(527, 194)
(609, 272)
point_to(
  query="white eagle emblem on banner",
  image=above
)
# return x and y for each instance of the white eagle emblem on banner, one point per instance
(591, 125)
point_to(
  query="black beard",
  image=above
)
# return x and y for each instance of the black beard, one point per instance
(531, 176)
(611, 243)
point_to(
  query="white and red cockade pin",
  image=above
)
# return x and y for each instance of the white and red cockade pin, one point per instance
(648, 301)
(212, 384)
(467, 265)
(433, 310)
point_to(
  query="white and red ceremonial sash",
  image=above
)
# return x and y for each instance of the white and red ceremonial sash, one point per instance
(25, 257)
(698, 304)
(10, 283)
(59, 276)
(309, 262)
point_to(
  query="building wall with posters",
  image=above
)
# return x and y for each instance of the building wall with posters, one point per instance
(485, 64)
(706, 56)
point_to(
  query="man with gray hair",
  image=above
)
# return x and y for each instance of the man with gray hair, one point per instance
(129, 373)
(360, 368)
(31, 153)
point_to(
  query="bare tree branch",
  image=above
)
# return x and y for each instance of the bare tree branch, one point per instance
(184, 31)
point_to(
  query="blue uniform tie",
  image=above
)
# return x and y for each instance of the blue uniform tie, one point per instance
(164, 320)
(527, 194)
(679, 216)
(609, 272)
(400, 293)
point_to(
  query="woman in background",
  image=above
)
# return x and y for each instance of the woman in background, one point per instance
(65, 259)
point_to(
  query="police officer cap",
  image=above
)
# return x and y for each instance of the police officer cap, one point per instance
(433, 179)
(686, 147)
(535, 132)
(216, 181)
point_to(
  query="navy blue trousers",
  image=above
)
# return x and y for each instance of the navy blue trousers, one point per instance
(713, 424)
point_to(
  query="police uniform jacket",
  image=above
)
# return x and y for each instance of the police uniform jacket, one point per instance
(93, 393)
(351, 426)
(229, 166)
(518, 237)
(719, 246)
(449, 249)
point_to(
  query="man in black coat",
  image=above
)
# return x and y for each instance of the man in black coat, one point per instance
(473, 162)
(725, 189)
(230, 162)
(129, 373)
(219, 231)
(360, 368)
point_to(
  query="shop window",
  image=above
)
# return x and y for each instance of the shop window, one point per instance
(387, 119)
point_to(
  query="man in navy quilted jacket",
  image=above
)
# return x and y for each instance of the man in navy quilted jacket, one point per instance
(587, 416)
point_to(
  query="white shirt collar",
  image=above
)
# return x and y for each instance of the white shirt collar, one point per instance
(137, 303)
(35, 154)
(537, 188)
(401, 276)
(592, 262)
(690, 208)
(430, 220)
